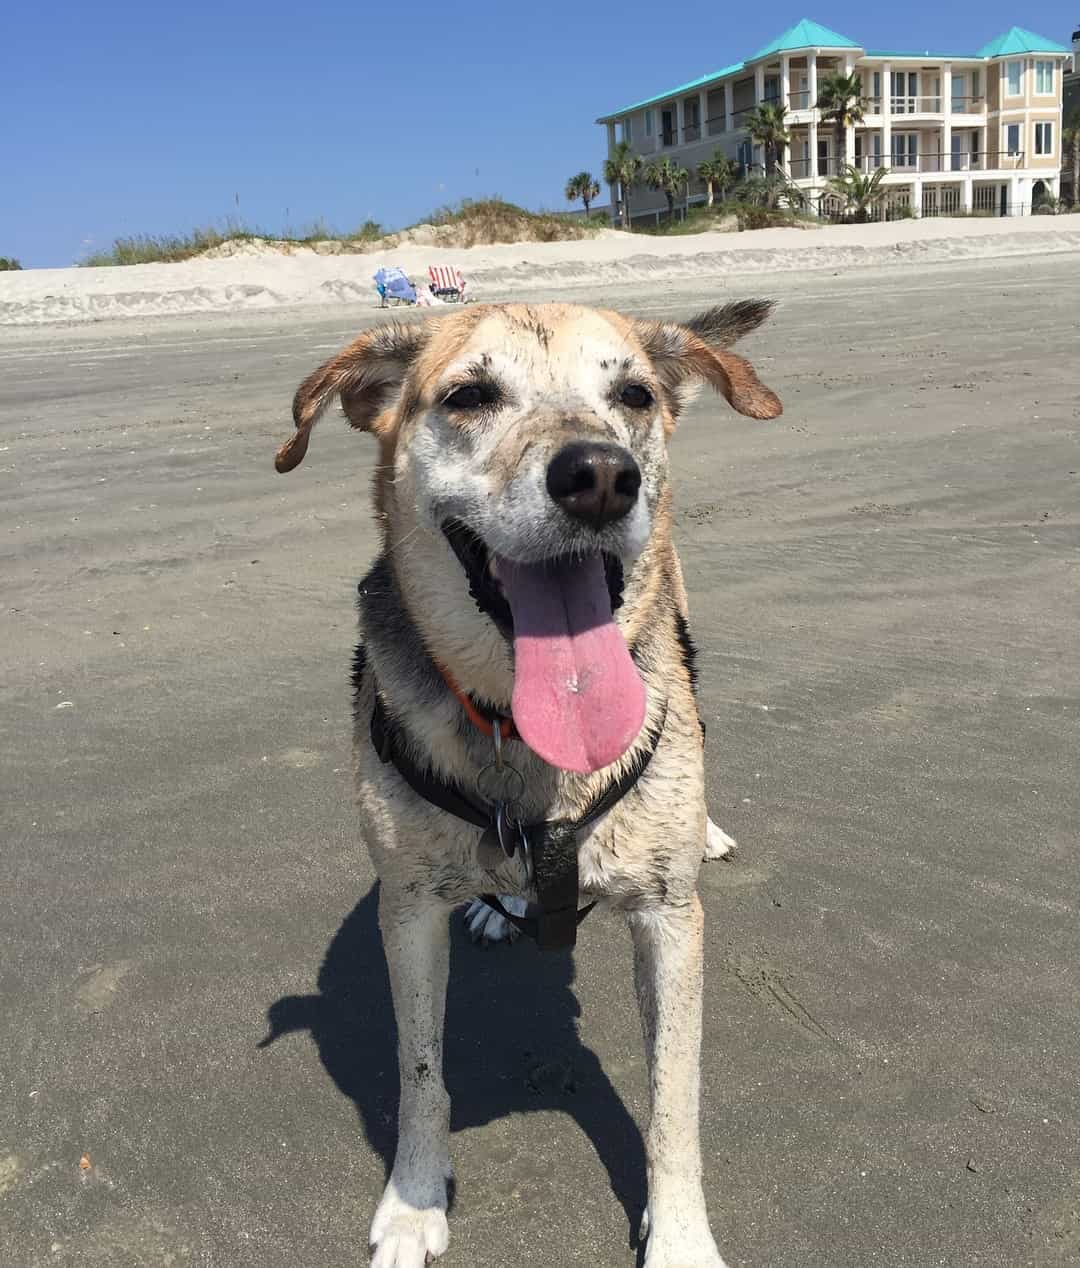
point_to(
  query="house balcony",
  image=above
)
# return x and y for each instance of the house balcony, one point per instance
(916, 105)
(907, 165)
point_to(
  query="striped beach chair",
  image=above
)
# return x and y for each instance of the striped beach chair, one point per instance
(447, 283)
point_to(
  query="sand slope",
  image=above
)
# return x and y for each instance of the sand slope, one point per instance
(257, 277)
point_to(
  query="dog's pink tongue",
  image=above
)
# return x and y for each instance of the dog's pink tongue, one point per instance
(578, 698)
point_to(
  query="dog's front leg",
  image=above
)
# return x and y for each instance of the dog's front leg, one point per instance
(410, 1224)
(667, 972)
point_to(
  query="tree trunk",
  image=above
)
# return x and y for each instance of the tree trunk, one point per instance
(841, 145)
(625, 207)
(586, 202)
(670, 204)
(1076, 169)
(709, 193)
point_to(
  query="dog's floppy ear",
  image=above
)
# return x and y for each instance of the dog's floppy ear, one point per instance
(365, 375)
(684, 356)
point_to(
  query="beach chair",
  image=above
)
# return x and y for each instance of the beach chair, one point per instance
(447, 283)
(394, 288)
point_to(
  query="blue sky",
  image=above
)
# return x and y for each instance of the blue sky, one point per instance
(154, 117)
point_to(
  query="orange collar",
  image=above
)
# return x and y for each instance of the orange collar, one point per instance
(507, 730)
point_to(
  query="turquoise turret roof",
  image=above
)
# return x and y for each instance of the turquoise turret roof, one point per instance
(805, 34)
(1017, 40)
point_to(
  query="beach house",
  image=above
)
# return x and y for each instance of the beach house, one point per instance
(976, 131)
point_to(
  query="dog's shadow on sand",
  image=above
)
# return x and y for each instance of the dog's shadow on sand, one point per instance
(512, 1044)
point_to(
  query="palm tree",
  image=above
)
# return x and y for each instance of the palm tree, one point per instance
(765, 123)
(584, 186)
(860, 192)
(841, 102)
(623, 168)
(717, 173)
(668, 178)
(1070, 136)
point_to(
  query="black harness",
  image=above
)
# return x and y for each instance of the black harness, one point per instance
(550, 845)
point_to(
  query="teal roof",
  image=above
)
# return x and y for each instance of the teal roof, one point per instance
(674, 92)
(805, 34)
(926, 53)
(1017, 40)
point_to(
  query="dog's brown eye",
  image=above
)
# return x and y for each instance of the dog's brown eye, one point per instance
(636, 396)
(470, 396)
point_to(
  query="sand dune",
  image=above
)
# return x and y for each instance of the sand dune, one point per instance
(259, 277)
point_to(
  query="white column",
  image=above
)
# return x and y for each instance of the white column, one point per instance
(811, 77)
(849, 135)
(916, 195)
(967, 194)
(946, 106)
(680, 122)
(729, 104)
(813, 172)
(1016, 196)
(613, 190)
(886, 114)
(759, 83)
(785, 80)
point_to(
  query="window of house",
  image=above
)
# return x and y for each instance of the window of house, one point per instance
(875, 89)
(667, 127)
(627, 133)
(772, 88)
(1012, 139)
(876, 143)
(648, 123)
(1014, 73)
(959, 93)
(1044, 138)
(1044, 78)
(745, 155)
(976, 83)
(905, 149)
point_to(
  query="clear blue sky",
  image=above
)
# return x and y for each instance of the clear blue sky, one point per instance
(122, 117)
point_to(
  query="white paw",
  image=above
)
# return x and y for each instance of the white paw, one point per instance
(679, 1243)
(404, 1235)
(485, 925)
(718, 845)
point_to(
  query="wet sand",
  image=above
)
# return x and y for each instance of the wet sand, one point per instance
(884, 588)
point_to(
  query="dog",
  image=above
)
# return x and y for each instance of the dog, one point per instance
(524, 704)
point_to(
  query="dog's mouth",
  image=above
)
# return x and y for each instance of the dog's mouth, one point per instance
(487, 590)
(578, 699)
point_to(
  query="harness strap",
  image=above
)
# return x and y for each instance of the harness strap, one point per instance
(552, 843)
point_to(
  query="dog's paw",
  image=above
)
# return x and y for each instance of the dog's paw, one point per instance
(718, 845)
(407, 1236)
(690, 1246)
(487, 926)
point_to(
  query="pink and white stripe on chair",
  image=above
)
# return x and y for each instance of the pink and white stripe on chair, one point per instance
(446, 280)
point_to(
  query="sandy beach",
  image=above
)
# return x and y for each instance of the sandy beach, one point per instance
(258, 278)
(197, 1049)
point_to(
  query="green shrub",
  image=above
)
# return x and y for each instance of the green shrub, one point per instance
(8, 264)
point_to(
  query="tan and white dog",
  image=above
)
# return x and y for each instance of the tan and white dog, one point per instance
(528, 590)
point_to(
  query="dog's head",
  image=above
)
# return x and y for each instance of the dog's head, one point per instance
(523, 461)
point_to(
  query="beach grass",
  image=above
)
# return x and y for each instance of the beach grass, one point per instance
(172, 247)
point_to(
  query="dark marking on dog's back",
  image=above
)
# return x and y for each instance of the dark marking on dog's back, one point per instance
(689, 652)
(688, 649)
(359, 664)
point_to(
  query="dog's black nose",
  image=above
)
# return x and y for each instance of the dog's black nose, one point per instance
(594, 482)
